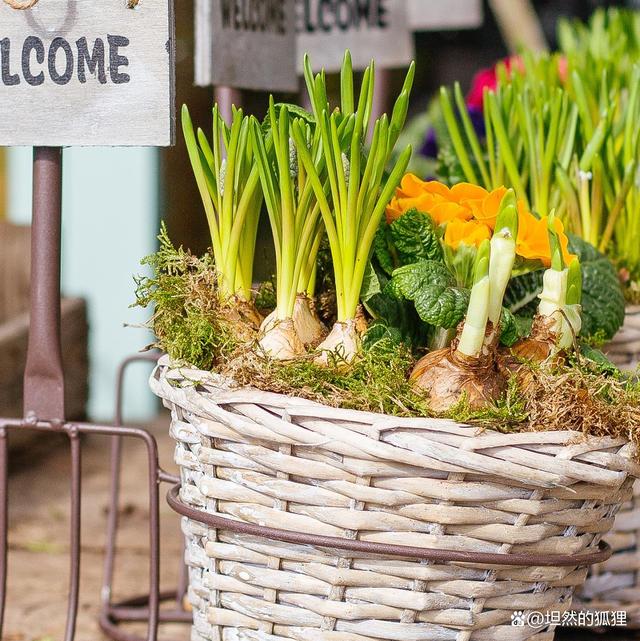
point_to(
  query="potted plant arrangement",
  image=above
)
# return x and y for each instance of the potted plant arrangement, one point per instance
(374, 446)
(562, 130)
(568, 143)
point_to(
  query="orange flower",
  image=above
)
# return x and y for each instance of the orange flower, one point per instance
(486, 208)
(533, 239)
(433, 198)
(467, 232)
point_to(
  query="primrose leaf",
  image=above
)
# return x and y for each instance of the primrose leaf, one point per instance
(600, 361)
(294, 111)
(379, 334)
(370, 284)
(442, 306)
(407, 281)
(414, 237)
(509, 328)
(382, 249)
(430, 285)
(602, 297)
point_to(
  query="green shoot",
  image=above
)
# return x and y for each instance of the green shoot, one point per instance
(293, 211)
(352, 200)
(503, 254)
(229, 187)
(475, 324)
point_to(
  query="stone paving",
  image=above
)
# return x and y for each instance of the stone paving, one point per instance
(38, 540)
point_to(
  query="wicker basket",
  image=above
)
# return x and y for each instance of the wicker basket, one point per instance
(615, 584)
(624, 349)
(271, 464)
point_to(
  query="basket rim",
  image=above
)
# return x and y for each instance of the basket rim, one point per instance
(230, 392)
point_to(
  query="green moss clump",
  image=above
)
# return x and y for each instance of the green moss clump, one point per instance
(507, 414)
(187, 320)
(376, 381)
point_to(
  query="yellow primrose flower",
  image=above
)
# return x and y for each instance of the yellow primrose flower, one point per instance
(466, 232)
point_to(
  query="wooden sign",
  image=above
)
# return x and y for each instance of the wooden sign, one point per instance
(249, 45)
(87, 73)
(371, 29)
(438, 15)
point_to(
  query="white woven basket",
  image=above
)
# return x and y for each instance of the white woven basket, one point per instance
(615, 584)
(624, 348)
(299, 466)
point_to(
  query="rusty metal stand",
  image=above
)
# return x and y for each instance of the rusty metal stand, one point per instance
(113, 615)
(44, 404)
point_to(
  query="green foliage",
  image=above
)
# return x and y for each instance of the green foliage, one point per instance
(431, 287)
(408, 239)
(395, 313)
(602, 297)
(185, 317)
(510, 329)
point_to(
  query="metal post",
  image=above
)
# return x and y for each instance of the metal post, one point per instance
(226, 97)
(43, 377)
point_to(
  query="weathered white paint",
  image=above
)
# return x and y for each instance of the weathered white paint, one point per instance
(52, 93)
(370, 29)
(249, 45)
(434, 15)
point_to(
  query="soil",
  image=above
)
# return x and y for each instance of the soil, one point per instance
(38, 540)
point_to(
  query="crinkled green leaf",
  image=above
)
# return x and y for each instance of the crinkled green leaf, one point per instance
(294, 110)
(406, 240)
(380, 333)
(370, 284)
(407, 281)
(509, 329)
(594, 355)
(442, 306)
(431, 287)
(383, 250)
(414, 237)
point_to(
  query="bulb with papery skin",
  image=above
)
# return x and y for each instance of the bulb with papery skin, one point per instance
(342, 344)
(308, 326)
(281, 342)
(448, 376)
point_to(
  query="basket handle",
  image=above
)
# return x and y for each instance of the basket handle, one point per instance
(426, 554)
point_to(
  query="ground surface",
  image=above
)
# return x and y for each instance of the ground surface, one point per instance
(39, 540)
(38, 537)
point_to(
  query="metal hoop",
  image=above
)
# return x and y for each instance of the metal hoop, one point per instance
(425, 554)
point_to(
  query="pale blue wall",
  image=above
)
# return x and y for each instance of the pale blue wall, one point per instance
(110, 220)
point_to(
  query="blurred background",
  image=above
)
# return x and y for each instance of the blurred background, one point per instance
(114, 200)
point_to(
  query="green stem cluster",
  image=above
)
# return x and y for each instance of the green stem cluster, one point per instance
(352, 188)
(229, 186)
(564, 140)
(291, 205)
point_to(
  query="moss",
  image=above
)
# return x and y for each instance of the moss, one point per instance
(376, 381)
(507, 414)
(186, 318)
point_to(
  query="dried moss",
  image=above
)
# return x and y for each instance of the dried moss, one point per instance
(580, 396)
(187, 319)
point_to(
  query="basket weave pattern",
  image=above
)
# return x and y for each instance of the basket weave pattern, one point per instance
(296, 465)
(624, 348)
(615, 584)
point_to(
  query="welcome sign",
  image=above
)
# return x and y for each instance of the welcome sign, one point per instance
(87, 72)
(249, 44)
(369, 28)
